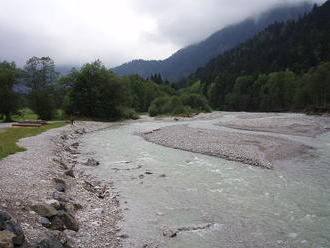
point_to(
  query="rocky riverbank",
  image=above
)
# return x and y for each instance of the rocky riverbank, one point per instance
(53, 201)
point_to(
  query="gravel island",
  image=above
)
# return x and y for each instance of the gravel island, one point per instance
(257, 150)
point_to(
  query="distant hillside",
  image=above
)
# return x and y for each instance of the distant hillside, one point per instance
(286, 67)
(295, 45)
(187, 60)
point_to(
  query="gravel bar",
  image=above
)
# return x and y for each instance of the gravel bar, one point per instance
(256, 150)
(300, 126)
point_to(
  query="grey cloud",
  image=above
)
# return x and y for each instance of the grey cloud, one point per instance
(185, 22)
(73, 32)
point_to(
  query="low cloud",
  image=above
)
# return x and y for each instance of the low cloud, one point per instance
(73, 32)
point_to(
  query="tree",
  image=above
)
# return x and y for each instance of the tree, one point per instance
(314, 88)
(8, 97)
(241, 96)
(99, 93)
(41, 78)
(278, 92)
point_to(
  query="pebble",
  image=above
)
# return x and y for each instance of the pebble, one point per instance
(44, 221)
(95, 223)
(60, 187)
(54, 203)
(70, 233)
(99, 211)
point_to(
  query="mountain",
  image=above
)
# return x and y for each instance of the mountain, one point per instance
(187, 60)
(286, 67)
(295, 45)
(65, 69)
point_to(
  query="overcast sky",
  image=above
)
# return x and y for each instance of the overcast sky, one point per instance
(73, 32)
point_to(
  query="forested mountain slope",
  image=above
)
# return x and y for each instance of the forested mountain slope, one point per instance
(187, 60)
(285, 67)
(297, 45)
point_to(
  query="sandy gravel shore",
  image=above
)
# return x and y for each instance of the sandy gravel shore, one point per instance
(257, 150)
(27, 178)
(302, 126)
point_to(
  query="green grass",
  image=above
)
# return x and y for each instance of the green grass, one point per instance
(10, 136)
(24, 114)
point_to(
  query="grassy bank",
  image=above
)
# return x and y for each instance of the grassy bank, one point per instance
(9, 138)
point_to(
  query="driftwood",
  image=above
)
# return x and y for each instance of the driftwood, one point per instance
(26, 125)
(30, 123)
(34, 122)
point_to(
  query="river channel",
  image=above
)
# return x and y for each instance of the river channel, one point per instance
(240, 205)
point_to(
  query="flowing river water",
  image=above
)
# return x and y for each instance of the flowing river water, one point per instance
(245, 205)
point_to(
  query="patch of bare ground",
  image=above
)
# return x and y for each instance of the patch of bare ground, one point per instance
(257, 150)
(301, 126)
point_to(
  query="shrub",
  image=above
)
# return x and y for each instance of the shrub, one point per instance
(197, 102)
(128, 113)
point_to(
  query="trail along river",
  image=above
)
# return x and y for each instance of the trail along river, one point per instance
(247, 206)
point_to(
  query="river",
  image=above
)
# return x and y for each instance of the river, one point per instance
(162, 188)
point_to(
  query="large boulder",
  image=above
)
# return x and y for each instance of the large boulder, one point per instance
(13, 227)
(10, 228)
(68, 220)
(6, 239)
(44, 210)
(57, 223)
(64, 220)
(49, 243)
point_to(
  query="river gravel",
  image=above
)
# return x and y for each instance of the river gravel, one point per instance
(301, 126)
(26, 178)
(257, 150)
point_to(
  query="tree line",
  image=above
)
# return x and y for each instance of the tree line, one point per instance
(93, 91)
(276, 91)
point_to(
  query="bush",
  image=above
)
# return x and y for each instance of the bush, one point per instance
(157, 106)
(128, 113)
(197, 102)
(185, 105)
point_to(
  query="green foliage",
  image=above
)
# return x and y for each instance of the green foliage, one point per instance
(156, 106)
(144, 92)
(10, 137)
(314, 88)
(42, 103)
(128, 113)
(96, 92)
(278, 92)
(24, 114)
(179, 105)
(196, 102)
(40, 77)
(9, 75)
